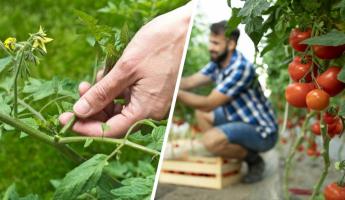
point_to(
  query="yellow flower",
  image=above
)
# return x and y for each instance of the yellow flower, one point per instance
(10, 43)
(40, 40)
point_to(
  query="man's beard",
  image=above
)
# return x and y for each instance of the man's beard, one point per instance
(221, 57)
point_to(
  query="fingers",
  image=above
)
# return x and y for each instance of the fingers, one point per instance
(89, 127)
(101, 115)
(102, 93)
(119, 124)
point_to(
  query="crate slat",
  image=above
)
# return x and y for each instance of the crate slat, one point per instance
(220, 173)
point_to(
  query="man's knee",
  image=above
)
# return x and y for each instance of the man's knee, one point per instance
(208, 116)
(215, 141)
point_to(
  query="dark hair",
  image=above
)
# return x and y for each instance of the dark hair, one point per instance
(220, 28)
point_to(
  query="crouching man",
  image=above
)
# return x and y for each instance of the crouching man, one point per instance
(236, 119)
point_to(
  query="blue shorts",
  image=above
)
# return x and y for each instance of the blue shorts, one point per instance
(243, 134)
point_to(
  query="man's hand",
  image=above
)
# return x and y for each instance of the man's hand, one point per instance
(145, 76)
(204, 103)
(194, 81)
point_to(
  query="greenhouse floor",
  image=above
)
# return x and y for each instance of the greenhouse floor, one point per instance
(304, 175)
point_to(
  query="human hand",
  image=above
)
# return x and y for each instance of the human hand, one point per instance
(145, 76)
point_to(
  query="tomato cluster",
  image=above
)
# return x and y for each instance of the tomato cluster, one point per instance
(333, 122)
(311, 89)
(334, 192)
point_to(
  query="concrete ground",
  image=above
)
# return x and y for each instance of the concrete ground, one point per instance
(268, 189)
(304, 175)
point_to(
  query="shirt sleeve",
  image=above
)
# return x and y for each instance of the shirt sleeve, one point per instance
(209, 70)
(239, 79)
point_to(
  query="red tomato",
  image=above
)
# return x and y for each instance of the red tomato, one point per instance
(328, 52)
(315, 128)
(329, 118)
(317, 99)
(297, 36)
(337, 129)
(311, 152)
(297, 69)
(334, 192)
(295, 94)
(312, 145)
(329, 82)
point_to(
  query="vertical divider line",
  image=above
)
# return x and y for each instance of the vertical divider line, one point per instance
(177, 86)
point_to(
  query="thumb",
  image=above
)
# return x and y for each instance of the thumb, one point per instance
(102, 93)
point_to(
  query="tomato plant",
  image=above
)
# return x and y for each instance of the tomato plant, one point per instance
(104, 168)
(283, 32)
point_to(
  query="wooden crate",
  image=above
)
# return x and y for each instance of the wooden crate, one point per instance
(206, 172)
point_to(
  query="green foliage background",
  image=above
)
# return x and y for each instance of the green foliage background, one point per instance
(27, 162)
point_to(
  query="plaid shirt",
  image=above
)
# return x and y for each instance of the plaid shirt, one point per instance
(247, 104)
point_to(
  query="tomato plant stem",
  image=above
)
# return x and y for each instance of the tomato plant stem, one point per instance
(341, 183)
(41, 136)
(52, 101)
(292, 153)
(31, 109)
(77, 139)
(15, 84)
(326, 159)
(68, 125)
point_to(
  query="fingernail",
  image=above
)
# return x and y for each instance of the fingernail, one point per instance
(81, 107)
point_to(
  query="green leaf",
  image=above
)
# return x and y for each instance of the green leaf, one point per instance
(88, 142)
(11, 194)
(98, 31)
(234, 21)
(254, 29)
(146, 169)
(158, 136)
(311, 5)
(254, 8)
(66, 106)
(105, 185)
(81, 179)
(4, 107)
(138, 137)
(342, 110)
(39, 89)
(333, 38)
(341, 75)
(55, 183)
(135, 188)
(4, 62)
(117, 169)
(30, 122)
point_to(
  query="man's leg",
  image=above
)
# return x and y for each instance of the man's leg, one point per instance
(204, 119)
(216, 142)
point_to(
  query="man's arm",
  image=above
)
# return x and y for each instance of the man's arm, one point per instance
(194, 81)
(204, 103)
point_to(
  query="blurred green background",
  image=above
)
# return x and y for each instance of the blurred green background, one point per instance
(27, 162)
